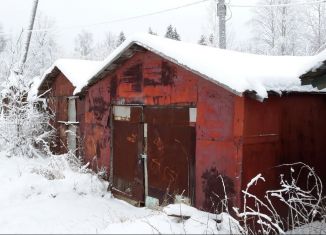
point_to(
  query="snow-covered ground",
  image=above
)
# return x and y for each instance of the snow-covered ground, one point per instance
(47, 196)
(313, 228)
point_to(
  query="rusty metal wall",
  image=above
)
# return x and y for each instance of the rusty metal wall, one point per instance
(169, 142)
(94, 114)
(282, 130)
(128, 174)
(262, 141)
(147, 79)
(218, 151)
(236, 137)
(304, 130)
(58, 103)
(171, 152)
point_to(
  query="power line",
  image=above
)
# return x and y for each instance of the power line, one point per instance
(116, 20)
(164, 11)
(277, 5)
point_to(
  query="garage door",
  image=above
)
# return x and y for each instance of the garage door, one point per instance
(166, 135)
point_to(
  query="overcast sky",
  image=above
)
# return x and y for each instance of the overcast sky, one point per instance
(190, 21)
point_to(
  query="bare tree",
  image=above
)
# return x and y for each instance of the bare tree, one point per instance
(24, 128)
(105, 47)
(44, 49)
(314, 23)
(276, 29)
(2, 40)
(84, 44)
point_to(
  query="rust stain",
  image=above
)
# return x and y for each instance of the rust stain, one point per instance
(155, 165)
(170, 174)
(132, 138)
(169, 74)
(134, 76)
(113, 87)
(159, 145)
(99, 107)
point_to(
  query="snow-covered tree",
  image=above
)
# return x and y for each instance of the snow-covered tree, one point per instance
(105, 47)
(84, 44)
(121, 38)
(44, 49)
(176, 35)
(276, 29)
(2, 39)
(314, 24)
(24, 128)
(171, 32)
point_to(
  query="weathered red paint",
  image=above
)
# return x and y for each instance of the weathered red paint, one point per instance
(94, 125)
(237, 137)
(171, 152)
(128, 167)
(147, 79)
(282, 130)
(61, 89)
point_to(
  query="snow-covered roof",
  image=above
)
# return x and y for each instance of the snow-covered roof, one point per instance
(316, 73)
(75, 70)
(316, 62)
(235, 71)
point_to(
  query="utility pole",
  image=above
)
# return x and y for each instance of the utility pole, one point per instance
(221, 13)
(28, 38)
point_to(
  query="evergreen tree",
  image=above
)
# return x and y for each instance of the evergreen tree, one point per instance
(121, 38)
(172, 33)
(169, 32)
(176, 35)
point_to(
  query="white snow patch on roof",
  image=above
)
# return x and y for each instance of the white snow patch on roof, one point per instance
(316, 62)
(76, 71)
(235, 71)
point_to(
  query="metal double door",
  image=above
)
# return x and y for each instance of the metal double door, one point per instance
(153, 152)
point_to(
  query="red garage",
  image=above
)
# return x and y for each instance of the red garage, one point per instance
(167, 118)
(57, 86)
